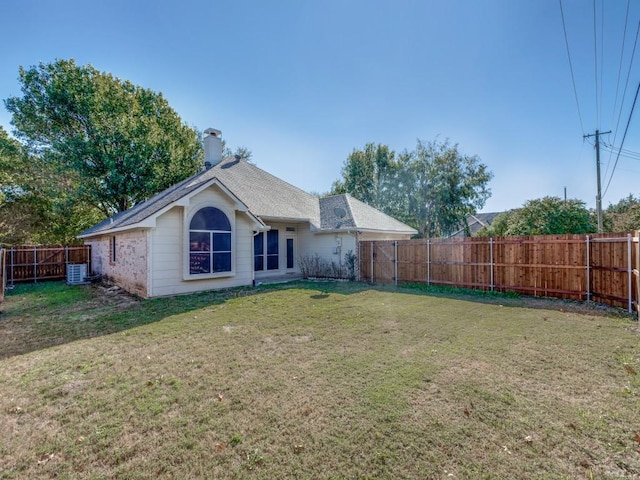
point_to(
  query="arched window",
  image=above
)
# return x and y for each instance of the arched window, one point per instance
(209, 242)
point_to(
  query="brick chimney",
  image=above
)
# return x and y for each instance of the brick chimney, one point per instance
(212, 147)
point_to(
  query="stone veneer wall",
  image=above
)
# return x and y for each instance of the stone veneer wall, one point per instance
(129, 270)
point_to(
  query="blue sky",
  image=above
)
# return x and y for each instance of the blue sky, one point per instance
(303, 83)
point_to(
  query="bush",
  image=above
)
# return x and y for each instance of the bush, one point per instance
(318, 267)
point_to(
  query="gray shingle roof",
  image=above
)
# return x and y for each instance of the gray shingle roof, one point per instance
(266, 197)
(476, 222)
(357, 215)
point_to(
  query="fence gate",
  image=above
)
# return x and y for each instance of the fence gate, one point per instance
(384, 262)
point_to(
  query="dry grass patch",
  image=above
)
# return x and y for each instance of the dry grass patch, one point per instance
(321, 381)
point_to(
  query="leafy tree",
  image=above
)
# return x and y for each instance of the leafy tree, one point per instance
(544, 216)
(499, 227)
(115, 142)
(433, 188)
(623, 216)
(368, 175)
(242, 152)
(37, 205)
(442, 187)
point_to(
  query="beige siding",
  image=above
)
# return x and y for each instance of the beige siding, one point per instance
(169, 275)
(129, 270)
(330, 246)
(383, 236)
(299, 237)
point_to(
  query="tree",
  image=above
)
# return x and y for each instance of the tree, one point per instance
(442, 187)
(623, 216)
(433, 188)
(37, 204)
(544, 216)
(499, 227)
(368, 175)
(113, 142)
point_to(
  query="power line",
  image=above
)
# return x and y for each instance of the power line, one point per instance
(573, 78)
(623, 138)
(624, 37)
(624, 93)
(615, 101)
(595, 62)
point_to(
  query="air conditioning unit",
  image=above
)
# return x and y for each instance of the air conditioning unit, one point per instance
(76, 274)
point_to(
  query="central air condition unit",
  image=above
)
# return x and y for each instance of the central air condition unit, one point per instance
(76, 274)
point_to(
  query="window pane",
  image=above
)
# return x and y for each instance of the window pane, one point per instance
(289, 252)
(210, 218)
(199, 241)
(222, 262)
(272, 262)
(258, 244)
(221, 242)
(272, 242)
(199, 263)
(258, 262)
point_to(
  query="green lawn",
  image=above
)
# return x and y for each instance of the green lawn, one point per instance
(314, 380)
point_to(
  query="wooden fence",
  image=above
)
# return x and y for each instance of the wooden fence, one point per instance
(3, 276)
(602, 268)
(32, 264)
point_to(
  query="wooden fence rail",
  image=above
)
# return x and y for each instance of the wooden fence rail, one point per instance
(35, 263)
(602, 268)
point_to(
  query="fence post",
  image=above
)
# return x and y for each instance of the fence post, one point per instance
(35, 264)
(12, 266)
(428, 261)
(395, 261)
(629, 270)
(373, 246)
(588, 271)
(491, 261)
(637, 240)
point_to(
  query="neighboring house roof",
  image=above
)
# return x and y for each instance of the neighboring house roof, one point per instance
(346, 212)
(477, 222)
(264, 197)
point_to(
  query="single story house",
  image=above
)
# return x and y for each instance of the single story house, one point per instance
(231, 224)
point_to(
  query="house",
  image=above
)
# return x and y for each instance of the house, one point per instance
(476, 222)
(229, 225)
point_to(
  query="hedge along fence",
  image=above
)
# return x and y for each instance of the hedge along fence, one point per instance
(602, 268)
(42, 262)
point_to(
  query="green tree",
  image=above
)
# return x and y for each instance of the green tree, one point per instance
(442, 187)
(544, 216)
(115, 142)
(37, 205)
(499, 227)
(623, 216)
(368, 175)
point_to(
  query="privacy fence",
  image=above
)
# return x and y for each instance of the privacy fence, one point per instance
(602, 268)
(42, 262)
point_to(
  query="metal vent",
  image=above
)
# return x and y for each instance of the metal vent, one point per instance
(76, 274)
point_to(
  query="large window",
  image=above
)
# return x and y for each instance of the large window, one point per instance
(265, 251)
(209, 242)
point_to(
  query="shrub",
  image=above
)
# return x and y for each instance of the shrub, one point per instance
(318, 267)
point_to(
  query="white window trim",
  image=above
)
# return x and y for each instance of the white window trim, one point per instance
(230, 213)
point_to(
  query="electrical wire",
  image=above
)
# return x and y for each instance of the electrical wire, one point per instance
(624, 37)
(626, 129)
(595, 62)
(615, 101)
(573, 78)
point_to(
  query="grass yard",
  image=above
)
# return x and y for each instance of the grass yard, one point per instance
(317, 381)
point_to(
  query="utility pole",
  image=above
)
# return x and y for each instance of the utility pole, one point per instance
(599, 194)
